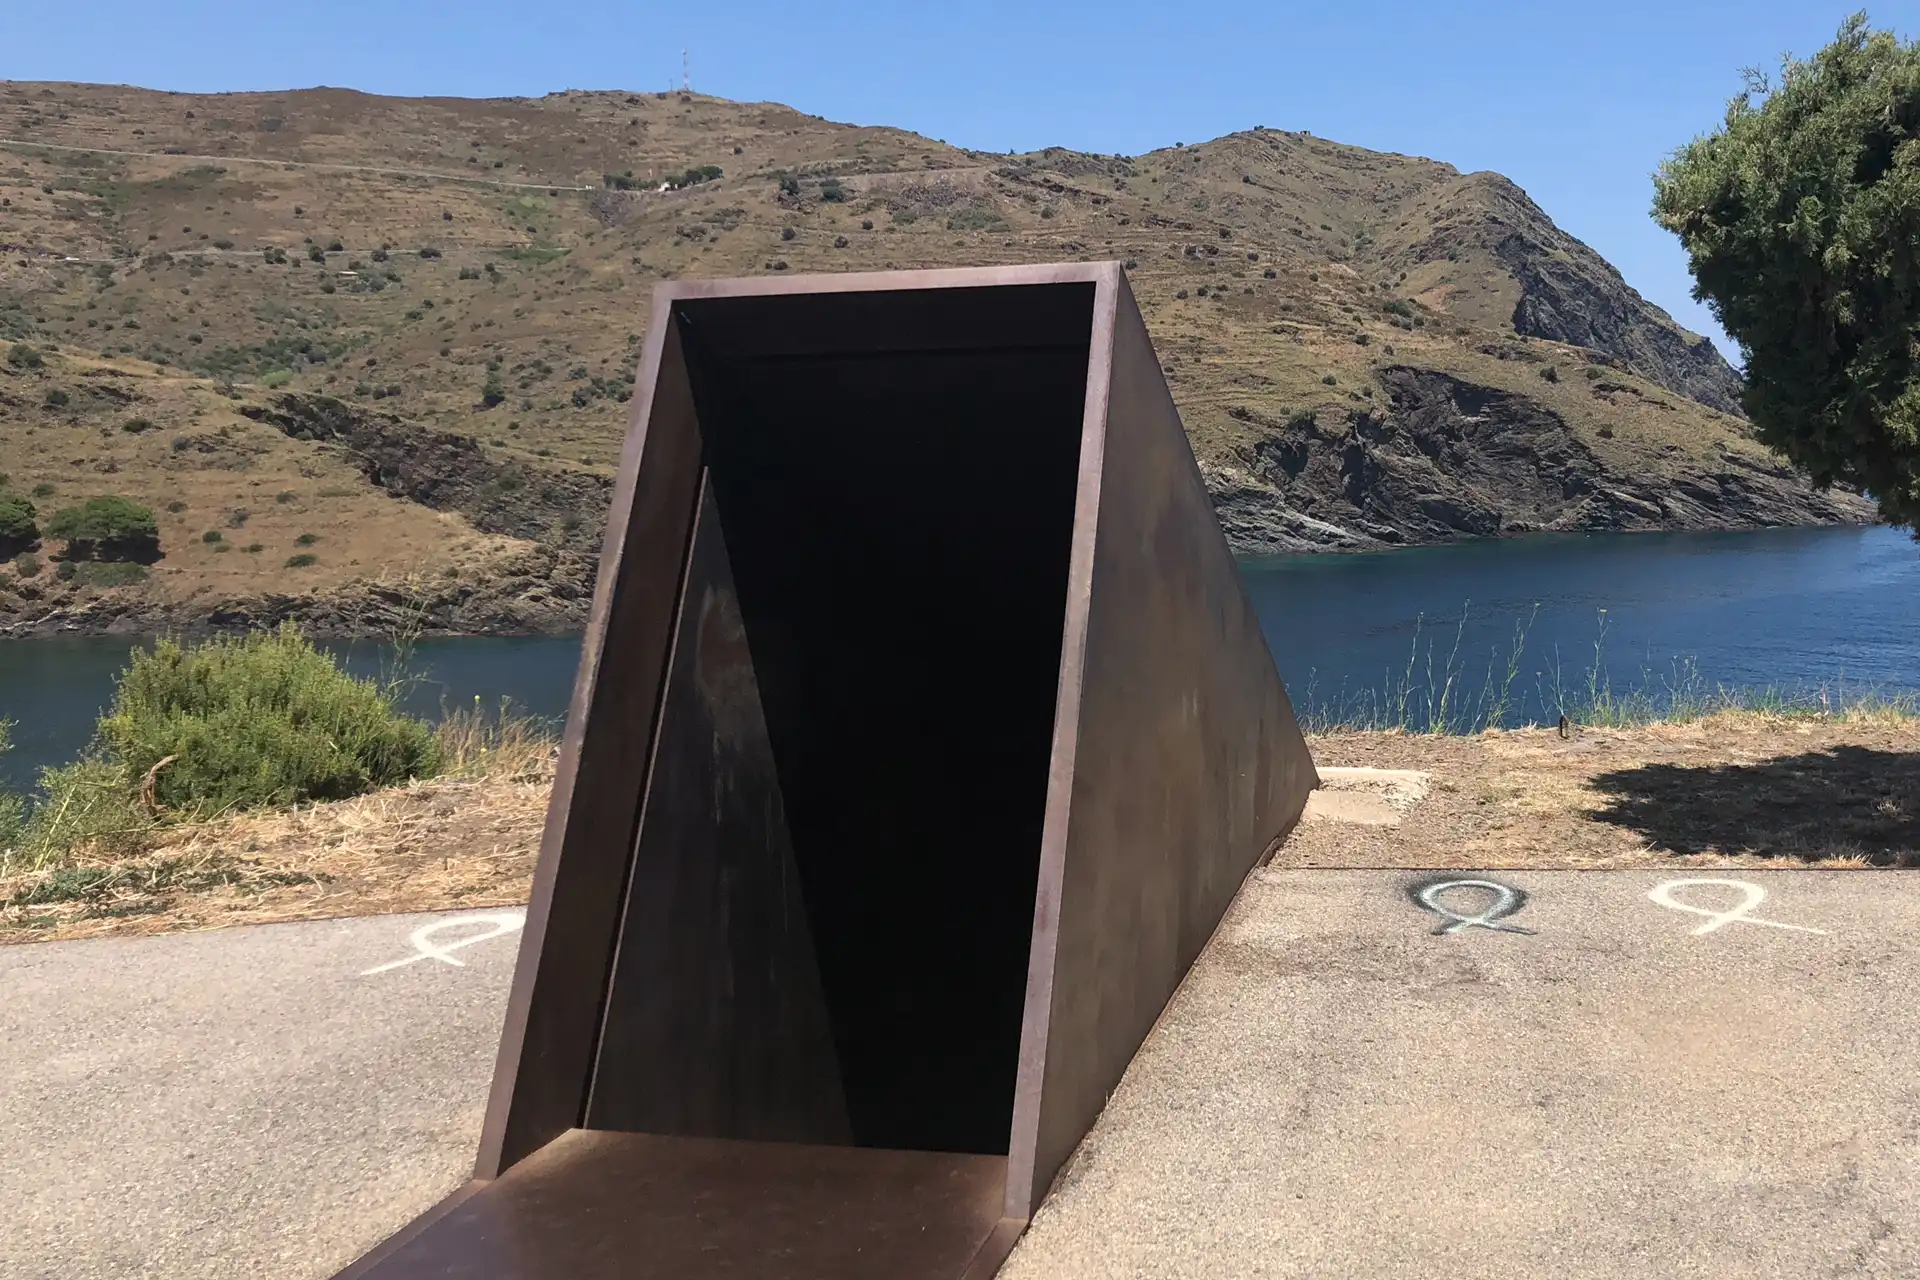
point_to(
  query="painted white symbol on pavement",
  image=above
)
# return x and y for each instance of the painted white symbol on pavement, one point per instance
(425, 948)
(1506, 901)
(1755, 895)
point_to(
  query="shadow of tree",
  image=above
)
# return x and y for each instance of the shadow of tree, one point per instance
(1843, 802)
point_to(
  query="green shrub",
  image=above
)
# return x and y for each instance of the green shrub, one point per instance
(264, 719)
(27, 564)
(91, 804)
(302, 560)
(831, 191)
(22, 356)
(56, 398)
(137, 426)
(307, 539)
(1550, 373)
(110, 528)
(211, 536)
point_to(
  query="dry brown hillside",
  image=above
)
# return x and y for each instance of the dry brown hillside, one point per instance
(316, 302)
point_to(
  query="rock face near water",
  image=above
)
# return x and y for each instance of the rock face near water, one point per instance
(1449, 459)
(530, 590)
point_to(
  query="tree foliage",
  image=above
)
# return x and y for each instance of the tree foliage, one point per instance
(1801, 217)
(109, 527)
(17, 526)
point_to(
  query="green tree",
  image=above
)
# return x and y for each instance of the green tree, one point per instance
(18, 529)
(1801, 217)
(111, 528)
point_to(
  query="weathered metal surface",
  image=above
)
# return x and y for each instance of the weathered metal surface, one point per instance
(896, 801)
(623, 1206)
(1177, 763)
(715, 1024)
(553, 1017)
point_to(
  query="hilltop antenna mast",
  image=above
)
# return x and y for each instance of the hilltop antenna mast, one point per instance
(686, 73)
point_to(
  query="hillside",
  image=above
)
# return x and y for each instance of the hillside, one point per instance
(396, 337)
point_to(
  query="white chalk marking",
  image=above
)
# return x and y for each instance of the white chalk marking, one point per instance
(1755, 895)
(425, 948)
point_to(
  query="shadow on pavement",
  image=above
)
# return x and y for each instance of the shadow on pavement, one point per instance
(1841, 803)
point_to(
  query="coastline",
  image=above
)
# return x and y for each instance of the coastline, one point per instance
(542, 591)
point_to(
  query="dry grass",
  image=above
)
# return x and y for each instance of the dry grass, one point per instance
(466, 839)
(1299, 243)
(1732, 789)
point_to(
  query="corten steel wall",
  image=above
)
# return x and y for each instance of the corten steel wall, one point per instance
(1177, 762)
(1175, 766)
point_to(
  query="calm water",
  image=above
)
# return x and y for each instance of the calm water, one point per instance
(1786, 609)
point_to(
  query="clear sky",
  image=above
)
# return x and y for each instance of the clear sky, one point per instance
(1576, 103)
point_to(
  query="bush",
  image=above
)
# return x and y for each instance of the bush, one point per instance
(109, 528)
(1330, 380)
(307, 539)
(212, 536)
(831, 191)
(22, 356)
(137, 426)
(27, 564)
(302, 561)
(1550, 373)
(56, 398)
(43, 490)
(492, 392)
(786, 233)
(428, 251)
(264, 719)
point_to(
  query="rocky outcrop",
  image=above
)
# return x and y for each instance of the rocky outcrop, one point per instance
(530, 590)
(1565, 292)
(1451, 459)
(450, 472)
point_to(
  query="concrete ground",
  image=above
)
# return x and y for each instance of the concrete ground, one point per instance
(246, 1102)
(1633, 1088)
(1337, 1091)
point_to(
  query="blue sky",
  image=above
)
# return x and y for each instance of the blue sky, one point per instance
(1578, 104)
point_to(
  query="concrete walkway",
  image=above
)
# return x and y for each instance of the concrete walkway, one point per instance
(245, 1102)
(1633, 1088)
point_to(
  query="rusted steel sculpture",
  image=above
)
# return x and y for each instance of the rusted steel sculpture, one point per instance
(922, 735)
